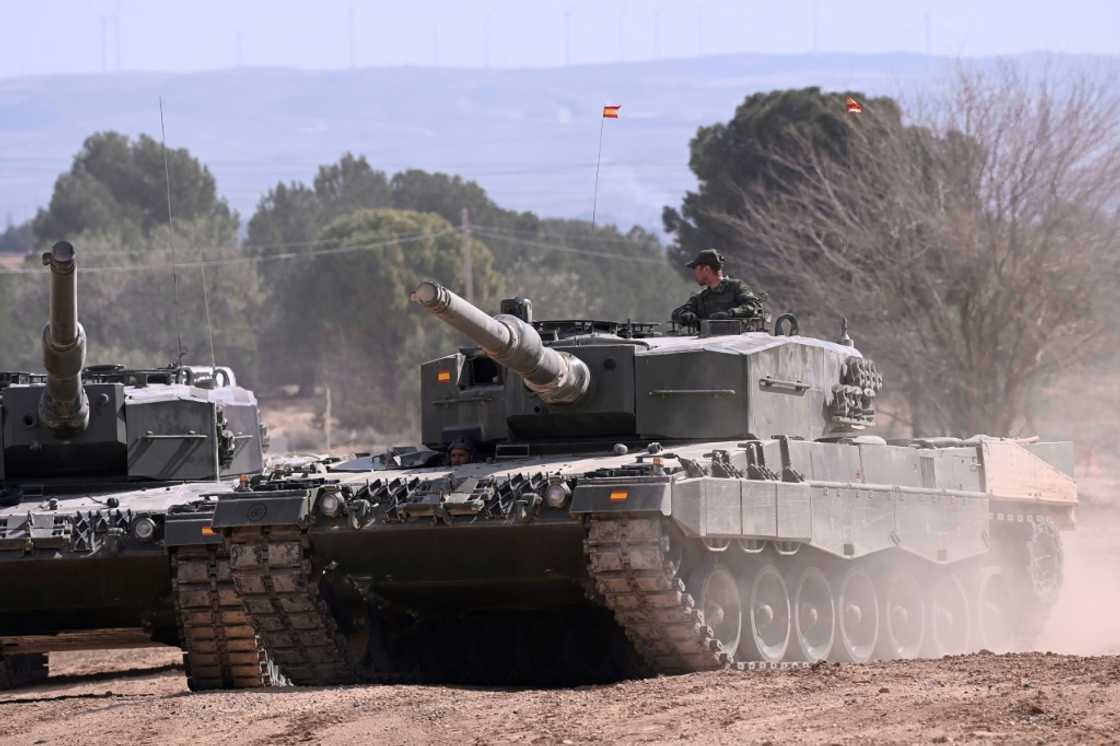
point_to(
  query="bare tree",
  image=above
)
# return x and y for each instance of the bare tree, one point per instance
(974, 247)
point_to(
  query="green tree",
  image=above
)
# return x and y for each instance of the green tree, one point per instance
(747, 158)
(119, 185)
(374, 338)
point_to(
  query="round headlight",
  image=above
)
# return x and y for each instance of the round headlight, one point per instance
(330, 504)
(557, 494)
(144, 529)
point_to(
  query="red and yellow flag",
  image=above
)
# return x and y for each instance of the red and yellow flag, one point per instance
(610, 111)
(854, 107)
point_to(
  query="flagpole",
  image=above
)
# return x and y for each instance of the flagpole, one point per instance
(598, 159)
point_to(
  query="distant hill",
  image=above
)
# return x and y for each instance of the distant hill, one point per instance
(528, 136)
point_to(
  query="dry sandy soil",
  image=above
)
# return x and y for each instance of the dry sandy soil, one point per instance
(140, 698)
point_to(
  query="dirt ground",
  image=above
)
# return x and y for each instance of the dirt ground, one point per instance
(140, 698)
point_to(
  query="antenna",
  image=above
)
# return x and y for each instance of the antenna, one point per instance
(171, 247)
(171, 238)
(929, 34)
(657, 32)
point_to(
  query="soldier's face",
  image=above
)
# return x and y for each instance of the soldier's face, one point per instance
(460, 456)
(703, 274)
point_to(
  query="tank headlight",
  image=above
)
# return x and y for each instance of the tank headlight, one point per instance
(330, 504)
(144, 529)
(557, 494)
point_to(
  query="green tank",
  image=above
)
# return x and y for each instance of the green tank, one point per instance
(104, 471)
(647, 503)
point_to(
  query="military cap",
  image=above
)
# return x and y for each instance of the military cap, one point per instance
(710, 257)
(461, 444)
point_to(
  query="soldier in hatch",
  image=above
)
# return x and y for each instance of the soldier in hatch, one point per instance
(722, 297)
(461, 452)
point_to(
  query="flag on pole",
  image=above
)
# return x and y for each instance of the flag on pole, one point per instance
(611, 111)
(854, 107)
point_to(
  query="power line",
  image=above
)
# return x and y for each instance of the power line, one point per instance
(251, 259)
(570, 250)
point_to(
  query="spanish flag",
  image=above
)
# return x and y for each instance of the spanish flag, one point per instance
(854, 107)
(611, 111)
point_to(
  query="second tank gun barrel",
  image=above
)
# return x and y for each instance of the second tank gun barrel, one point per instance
(557, 377)
(64, 407)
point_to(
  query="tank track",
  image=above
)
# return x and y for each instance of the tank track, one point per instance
(631, 562)
(282, 598)
(221, 650)
(23, 670)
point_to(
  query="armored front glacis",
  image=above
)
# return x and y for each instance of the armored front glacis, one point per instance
(92, 461)
(637, 502)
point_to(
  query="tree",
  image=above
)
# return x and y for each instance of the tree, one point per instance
(568, 268)
(750, 154)
(119, 185)
(374, 338)
(974, 251)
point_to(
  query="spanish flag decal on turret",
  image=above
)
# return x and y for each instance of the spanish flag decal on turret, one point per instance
(611, 112)
(854, 107)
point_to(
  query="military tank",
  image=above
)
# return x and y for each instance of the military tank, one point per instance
(104, 476)
(648, 503)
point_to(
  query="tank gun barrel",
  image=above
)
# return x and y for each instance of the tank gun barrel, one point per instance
(556, 377)
(64, 407)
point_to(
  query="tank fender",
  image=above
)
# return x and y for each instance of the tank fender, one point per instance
(623, 495)
(190, 529)
(281, 508)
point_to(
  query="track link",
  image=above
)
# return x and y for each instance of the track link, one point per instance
(631, 562)
(281, 595)
(221, 650)
(23, 670)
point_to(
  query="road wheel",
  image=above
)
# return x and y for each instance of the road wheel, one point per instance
(814, 615)
(903, 631)
(766, 623)
(857, 615)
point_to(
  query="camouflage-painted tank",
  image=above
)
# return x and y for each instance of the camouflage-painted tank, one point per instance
(648, 503)
(103, 473)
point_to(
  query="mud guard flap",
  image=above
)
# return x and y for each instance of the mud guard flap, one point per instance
(281, 508)
(620, 495)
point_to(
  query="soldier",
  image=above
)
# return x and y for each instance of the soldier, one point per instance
(460, 453)
(721, 298)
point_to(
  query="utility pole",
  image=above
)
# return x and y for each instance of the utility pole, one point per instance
(814, 23)
(468, 260)
(117, 37)
(622, 34)
(104, 43)
(700, 30)
(567, 37)
(350, 32)
(486, 38)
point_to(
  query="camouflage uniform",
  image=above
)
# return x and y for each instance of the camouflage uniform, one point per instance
(731, 297)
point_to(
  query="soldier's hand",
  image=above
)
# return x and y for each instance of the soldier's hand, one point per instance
(720, 315)
(686, 317)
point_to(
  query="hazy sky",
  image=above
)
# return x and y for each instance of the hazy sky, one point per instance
(83, 36)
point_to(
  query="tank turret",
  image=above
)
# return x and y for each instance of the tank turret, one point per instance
(556, 377)
(63, 407)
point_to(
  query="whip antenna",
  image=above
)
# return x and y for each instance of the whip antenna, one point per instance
(174, 263)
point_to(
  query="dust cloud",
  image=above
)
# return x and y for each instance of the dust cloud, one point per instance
(1086, 619)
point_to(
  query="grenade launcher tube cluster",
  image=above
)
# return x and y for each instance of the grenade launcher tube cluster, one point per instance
(555, 376)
